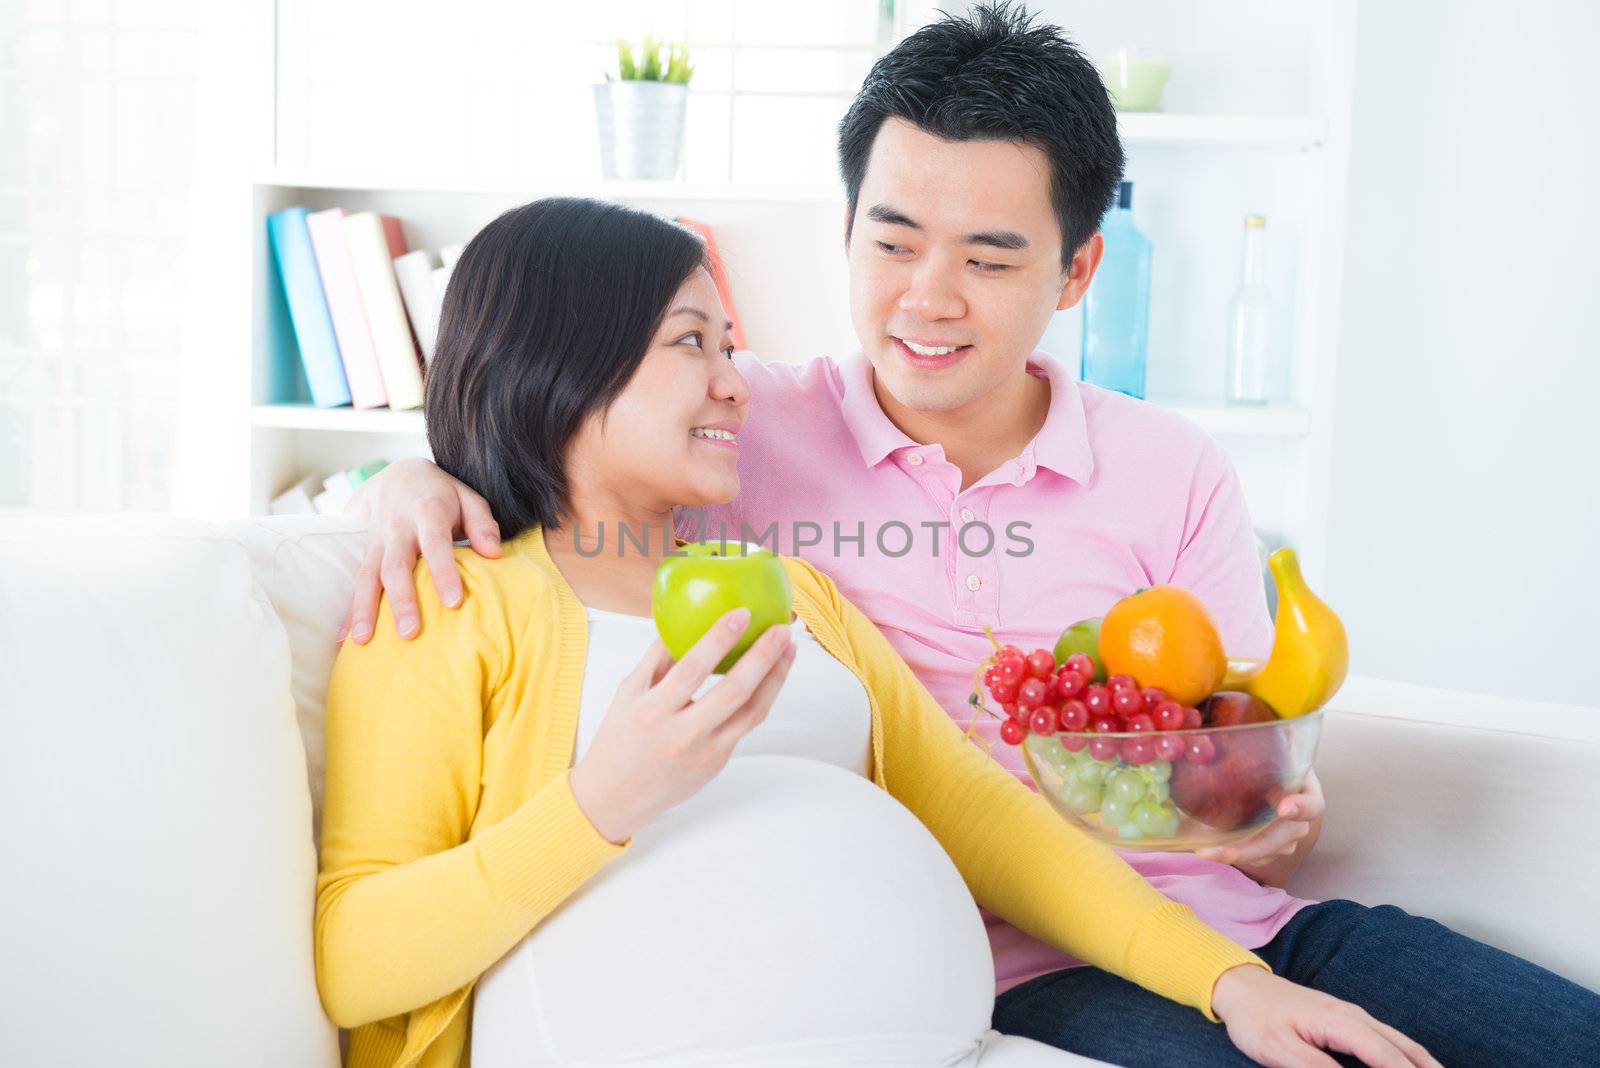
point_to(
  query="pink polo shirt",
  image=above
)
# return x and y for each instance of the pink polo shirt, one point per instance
(1111, 495)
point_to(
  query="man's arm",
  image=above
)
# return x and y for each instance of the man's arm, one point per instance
(413, 509)
(1218, 561)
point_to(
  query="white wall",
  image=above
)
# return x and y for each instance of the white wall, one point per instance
(1464, 547)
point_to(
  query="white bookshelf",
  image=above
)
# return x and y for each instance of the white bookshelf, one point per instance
(1197, 171)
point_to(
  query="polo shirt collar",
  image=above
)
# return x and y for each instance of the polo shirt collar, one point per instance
(1062, 444)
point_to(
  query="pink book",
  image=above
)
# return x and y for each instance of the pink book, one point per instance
(345, 308)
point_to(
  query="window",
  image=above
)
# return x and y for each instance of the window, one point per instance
(96, 102)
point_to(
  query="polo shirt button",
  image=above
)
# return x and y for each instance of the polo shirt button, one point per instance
(915, 459)
(967, 516)
(974, 583)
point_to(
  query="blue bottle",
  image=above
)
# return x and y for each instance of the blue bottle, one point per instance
(1116, 310)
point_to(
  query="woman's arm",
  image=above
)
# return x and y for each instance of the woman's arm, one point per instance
(408, 909)
(1020, 859)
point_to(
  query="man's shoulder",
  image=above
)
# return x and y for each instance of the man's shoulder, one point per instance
(1120, 425)
(817, 381)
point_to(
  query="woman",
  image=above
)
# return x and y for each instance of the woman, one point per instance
(545, 842)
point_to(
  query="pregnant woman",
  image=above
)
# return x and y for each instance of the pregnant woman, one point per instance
(544, 842)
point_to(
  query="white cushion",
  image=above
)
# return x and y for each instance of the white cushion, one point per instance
(306, 566)
(160, 874)
(1490, 832)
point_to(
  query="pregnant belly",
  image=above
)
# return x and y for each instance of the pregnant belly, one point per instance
(788, 902)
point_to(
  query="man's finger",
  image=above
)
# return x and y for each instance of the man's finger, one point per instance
(364, 603)
(433, 537)
(678, 686)
(477, 521)
(398, 572)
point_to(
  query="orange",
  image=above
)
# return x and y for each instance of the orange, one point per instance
(1163, 636)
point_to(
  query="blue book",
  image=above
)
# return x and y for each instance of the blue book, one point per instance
(308, 308)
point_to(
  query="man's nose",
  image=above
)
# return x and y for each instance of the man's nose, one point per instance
(934, 293)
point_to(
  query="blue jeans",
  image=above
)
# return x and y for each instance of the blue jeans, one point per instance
(1470, 1004)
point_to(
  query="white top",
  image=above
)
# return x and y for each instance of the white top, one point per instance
(821, 713)
(790, 912)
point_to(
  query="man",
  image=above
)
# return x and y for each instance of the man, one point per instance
(978, 159)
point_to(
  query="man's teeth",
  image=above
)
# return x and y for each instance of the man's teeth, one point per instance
(716, 435)
(930, 350)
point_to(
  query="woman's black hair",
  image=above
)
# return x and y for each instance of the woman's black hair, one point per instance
(547, 315)
(993, 75)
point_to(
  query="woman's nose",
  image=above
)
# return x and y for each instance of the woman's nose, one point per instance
(729, 384)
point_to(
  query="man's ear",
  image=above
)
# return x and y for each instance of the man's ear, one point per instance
(1080, 272)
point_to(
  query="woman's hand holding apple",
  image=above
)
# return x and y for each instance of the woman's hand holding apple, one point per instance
(658, 745)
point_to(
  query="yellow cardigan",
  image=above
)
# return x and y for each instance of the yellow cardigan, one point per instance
(449, 829)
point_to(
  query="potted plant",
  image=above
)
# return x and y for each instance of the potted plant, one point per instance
(640, 112)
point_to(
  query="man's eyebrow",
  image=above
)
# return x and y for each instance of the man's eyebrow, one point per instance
(1006, 239)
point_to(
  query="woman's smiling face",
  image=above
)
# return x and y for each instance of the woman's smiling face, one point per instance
(670, 437)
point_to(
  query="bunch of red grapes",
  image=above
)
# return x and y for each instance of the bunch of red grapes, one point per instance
(1042, 697)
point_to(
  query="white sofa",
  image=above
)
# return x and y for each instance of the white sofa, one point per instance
(161, 760)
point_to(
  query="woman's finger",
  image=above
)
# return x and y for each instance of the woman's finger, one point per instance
(1409, 1046)
(736, 687)
(678, 687)
(753, 712)
(655, 663)
(1355, 1035)
(1298, 1053)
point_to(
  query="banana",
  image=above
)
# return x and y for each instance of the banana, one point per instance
(1310, 653)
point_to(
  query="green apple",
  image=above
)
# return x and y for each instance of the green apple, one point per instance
(1082, 637)
(710, 579)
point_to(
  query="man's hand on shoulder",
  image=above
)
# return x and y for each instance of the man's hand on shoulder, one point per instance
(413, 509)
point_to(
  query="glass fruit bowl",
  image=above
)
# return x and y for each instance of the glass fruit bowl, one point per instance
(1174, 790)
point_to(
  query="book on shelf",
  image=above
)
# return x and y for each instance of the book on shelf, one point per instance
(345, 308)
(414, 273)
(719, 276)
(309, 315)
(376, 241)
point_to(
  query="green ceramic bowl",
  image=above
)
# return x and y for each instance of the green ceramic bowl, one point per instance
(1135, 78)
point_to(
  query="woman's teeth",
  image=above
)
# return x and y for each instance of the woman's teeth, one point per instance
(715, 435)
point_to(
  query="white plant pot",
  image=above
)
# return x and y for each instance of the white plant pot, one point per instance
(641, 129)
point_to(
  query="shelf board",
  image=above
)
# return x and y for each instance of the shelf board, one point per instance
(1136, 127)
(345, 420)
(533, 188)
(1213, 417)
(1221, 131)
(1218, 418)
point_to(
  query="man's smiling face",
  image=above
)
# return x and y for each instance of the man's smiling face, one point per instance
(955, 264)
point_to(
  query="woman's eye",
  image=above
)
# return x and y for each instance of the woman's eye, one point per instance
(728, 352)
(689, 339)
